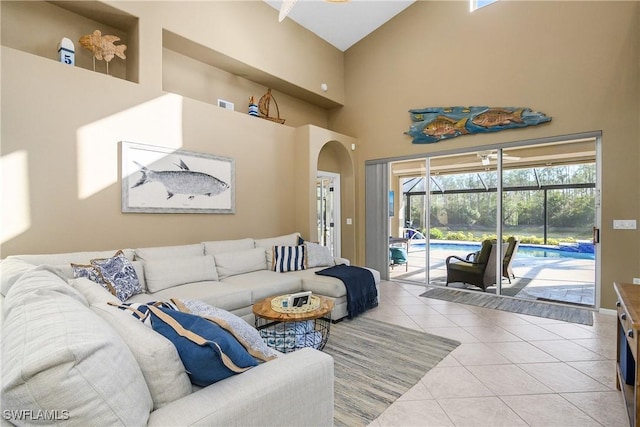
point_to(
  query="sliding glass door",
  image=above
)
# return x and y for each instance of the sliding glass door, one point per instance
(542, 196)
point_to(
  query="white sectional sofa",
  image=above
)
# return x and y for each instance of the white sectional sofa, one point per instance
(70, 357)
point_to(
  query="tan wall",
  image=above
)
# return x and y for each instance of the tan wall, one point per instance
(575, 61)
(315, 148)
(61, 125)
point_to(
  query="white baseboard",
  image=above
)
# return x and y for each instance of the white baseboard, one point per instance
(608, 311)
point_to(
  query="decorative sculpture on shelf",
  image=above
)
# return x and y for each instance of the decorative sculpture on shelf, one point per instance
(66, 52)
(103, 47)
(436, 123)
(263, 107)
(253, 107)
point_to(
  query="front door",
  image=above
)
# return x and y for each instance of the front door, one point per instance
(328, 210)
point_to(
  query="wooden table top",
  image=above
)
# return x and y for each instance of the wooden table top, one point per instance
(263, 309)
(630, 297)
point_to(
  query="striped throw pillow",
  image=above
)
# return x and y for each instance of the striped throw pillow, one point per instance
(288, 258)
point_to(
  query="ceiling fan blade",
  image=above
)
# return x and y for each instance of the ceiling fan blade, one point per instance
(285, 8)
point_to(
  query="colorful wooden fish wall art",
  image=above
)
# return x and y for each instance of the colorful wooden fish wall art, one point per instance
(433, 124)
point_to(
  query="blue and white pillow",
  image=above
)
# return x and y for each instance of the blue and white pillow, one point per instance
(118, 275)
(288, 258)
(88, 272)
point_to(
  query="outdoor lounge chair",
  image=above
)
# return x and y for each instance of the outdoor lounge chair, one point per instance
(477, 269)
(509, 255)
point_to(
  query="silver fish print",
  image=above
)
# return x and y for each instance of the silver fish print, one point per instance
(184, 181)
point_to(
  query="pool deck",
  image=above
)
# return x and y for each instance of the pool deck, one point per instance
(568, 280)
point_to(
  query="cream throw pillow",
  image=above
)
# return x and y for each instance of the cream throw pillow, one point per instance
(223, 246)
(166, 273)
(234, 263)
(157, 357)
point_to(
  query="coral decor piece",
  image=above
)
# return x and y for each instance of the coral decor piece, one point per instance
(433, 124)
(103, 47)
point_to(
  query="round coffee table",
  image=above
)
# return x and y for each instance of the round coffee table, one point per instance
(287, 332)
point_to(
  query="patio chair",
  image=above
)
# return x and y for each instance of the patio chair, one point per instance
(478, 268)
(470, 269)
(509, 255)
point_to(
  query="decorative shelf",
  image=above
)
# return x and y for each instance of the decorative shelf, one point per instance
(198, 52)
(53, 20)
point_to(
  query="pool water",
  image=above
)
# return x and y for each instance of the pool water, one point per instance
(523, 250)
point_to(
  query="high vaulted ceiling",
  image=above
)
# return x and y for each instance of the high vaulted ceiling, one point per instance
(343, 23)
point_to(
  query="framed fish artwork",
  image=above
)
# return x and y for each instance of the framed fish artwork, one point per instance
(164, 180)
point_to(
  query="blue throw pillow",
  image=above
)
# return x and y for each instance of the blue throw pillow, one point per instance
(208, 352)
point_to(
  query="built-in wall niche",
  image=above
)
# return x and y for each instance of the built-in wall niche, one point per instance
(36, 27)
(237, 69)
(194, 71)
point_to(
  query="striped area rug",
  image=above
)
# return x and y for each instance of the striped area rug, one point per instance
(375, 363)
(532, 308)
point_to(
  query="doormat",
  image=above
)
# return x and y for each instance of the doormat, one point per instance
(377, 362)
(531, 308)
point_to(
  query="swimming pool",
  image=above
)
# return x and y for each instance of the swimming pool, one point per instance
(524, 250)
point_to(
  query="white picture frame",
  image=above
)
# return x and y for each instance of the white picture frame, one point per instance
(299, 299)
(165, 180)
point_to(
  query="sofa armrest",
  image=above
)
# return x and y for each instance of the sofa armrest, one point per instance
(339, 261)
(294, 389)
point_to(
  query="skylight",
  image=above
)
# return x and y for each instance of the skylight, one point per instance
(477, 4)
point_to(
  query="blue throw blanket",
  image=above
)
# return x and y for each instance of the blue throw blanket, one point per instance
(361, 287)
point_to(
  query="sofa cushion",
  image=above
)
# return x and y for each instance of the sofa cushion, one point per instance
(72, 257)
(119, 275)
(164, 252)
(222, 246)
(234, 263)
(246, 334)
(93, 292)
(323, 285)
(318, 255)
(208, 352)
(11, 269)
(165, 273)
(157, 357)
(218, 294)
(288, 258)
(265, 283)
(284, 240)
(269, 243)
(57, 355)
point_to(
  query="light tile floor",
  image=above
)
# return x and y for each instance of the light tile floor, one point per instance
(510, 369)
